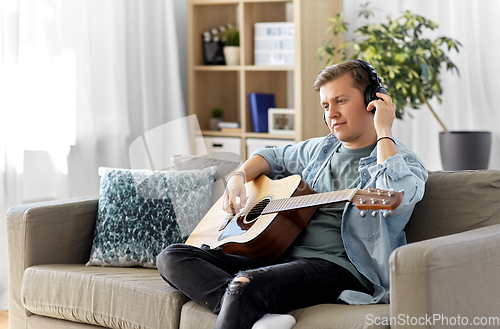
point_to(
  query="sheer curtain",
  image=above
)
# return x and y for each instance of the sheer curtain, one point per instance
(79, 81)
(469, 101)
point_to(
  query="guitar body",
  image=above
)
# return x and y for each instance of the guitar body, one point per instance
(265, 237)
(275, 213)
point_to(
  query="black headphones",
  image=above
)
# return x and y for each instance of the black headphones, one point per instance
(372, 89)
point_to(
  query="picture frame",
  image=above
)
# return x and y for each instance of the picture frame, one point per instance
(281, 121)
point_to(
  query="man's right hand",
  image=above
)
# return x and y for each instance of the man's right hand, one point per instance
(235, 189)
(235, 195)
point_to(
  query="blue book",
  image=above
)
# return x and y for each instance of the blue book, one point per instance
(259, 104)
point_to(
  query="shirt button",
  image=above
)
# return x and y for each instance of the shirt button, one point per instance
(325, 151)
(364, 174)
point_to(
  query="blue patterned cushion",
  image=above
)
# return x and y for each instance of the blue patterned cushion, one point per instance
(141, 212)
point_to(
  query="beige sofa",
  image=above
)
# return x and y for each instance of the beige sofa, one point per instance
(449, 271)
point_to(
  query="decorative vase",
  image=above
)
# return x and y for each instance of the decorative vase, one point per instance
(232, 55)
(465, 150)
(214, 123)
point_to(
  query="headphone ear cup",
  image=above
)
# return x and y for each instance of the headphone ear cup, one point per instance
(371, 94)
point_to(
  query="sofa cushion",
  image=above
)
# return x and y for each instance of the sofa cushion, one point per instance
(455, 202)
(324, 316)
(141, 212)
(110, 297)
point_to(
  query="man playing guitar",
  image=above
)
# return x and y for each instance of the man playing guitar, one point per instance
(342, 256)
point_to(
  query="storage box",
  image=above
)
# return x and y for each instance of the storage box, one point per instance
(274, 29)
(274, 57)
(217, 144)
(273, 44)
(253, 144)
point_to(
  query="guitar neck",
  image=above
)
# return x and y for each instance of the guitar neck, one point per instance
(310, 200)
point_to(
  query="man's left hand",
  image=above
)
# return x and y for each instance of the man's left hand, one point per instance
(384, 115)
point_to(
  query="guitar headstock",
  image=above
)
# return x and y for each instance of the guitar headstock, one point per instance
(376, 199)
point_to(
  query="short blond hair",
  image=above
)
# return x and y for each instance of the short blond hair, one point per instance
(360, 77)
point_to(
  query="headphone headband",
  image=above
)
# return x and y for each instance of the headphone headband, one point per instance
(372, 74)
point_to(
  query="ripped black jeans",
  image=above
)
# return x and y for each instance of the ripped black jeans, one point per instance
(242, 290)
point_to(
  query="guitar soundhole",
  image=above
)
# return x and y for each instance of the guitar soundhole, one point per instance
(256, 210)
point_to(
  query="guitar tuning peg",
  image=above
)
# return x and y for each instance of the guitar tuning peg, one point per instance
(362, 213)
(374, 213)
(386, 213)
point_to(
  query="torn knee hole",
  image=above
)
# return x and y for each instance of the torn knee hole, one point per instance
(238, 283)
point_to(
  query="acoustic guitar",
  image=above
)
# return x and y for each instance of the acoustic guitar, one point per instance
(275, 213)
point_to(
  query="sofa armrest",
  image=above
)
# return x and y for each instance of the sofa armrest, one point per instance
(52, 232)
(447, 279)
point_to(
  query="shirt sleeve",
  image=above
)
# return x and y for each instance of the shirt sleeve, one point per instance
(290, 159)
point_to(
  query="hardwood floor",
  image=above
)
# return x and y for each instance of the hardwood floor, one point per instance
(4, 320)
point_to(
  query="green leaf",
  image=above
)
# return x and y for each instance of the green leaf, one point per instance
(409, 63)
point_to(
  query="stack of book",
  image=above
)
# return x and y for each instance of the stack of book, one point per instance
(229, 127)
(274, 43)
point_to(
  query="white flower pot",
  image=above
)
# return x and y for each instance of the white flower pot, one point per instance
(214, 123)
(232, 55)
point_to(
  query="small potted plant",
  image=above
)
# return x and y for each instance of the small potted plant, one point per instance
(231, 41)
(216, 117)
(410, 66)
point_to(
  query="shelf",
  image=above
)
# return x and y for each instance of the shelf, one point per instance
(215, 2)
(269, 68)
(228, 87)
(215, 133)
(243, 67)
(270, 136)
(257, 1)
(217, 68)
(218, 2)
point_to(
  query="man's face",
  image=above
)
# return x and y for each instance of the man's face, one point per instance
(346, 114)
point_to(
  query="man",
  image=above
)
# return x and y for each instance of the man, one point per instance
(341, 256)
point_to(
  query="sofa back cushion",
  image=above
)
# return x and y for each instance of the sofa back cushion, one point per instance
(455, 202)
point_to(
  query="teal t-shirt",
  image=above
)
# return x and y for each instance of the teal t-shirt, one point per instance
(322, 238)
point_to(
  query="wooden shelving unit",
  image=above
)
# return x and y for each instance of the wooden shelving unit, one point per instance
(228, 87)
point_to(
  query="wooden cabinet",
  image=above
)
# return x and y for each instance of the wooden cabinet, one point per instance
(228, 87)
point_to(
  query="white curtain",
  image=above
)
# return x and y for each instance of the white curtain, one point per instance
(79, 81)
(469, 101)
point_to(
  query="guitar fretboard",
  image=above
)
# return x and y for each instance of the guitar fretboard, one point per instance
(310, 200)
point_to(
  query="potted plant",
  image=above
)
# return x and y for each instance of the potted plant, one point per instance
(231, 41)
(410, 66)
(215, 118)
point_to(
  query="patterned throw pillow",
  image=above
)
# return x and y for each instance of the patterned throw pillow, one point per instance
(141, 212)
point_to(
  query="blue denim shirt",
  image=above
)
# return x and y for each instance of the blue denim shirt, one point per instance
(368, 241)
